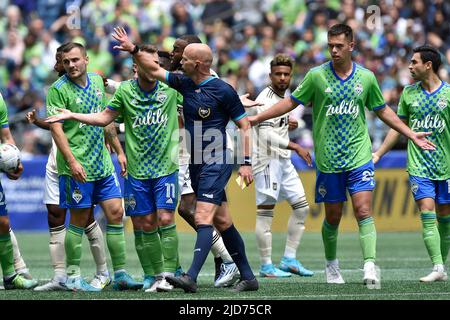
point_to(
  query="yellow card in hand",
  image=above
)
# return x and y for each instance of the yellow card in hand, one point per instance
(241, 183)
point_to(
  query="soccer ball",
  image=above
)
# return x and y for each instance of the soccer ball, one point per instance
(9, 157)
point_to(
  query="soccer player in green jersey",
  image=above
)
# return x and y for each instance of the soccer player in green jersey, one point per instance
(338, 91)
(425, 105)
(11, 279)
(149, 110)
(85, 170)
(57, 216)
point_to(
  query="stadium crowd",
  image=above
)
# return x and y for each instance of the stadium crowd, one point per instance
(244, 35)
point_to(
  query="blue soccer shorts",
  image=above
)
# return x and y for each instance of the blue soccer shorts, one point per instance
(75, 194)
(3, 210)
(145, 196)
(209, 181)
(421, 188)
(332, 187)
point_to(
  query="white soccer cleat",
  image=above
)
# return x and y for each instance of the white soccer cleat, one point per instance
(100, 281)
(229, 274)
(370, 274)
(438, 274)
(333, 273)
(160, 285)
(52, 285)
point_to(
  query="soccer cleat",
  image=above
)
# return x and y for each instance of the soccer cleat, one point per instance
(160, 285)
(52, 285)
(123, 281)
(438, 274)
(19, 282)
(246, 285)
(25, 273)
(184, 282)
(229, 274)
(333, 273)
(217, 266)
(270, 271)
(148, 282)
(77, 283)
(100, 281)
(294, 266)
(370, 274)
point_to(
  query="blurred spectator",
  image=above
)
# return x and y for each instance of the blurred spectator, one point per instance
(14, 47)
(181, 21)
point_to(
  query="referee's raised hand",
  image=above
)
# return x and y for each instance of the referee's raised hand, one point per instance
(121, 36)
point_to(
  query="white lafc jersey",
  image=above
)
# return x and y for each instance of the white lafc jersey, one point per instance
(270, 138)
(51, 162)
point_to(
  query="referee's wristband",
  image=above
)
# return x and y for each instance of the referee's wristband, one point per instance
(247, 161)
(135, 50)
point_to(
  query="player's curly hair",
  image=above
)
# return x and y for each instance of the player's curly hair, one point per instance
(282, 59)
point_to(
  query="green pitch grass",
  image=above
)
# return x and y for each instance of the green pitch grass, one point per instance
(401, 256)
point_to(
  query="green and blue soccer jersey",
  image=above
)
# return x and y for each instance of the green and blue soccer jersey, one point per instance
(3, 113)
(428, 112)
(151, 120)
(86, 142)
(341, 138)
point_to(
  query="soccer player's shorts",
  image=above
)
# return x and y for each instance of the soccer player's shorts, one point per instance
(421, 188)
(278, 181)
(51, 188)
(74, 194)
(145, 196)
(184, 180)
(3, 210)
(332, 187)
(209, 181)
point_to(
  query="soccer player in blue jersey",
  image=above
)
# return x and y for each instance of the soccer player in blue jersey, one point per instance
(425, 105)
(339, 91)
(208, 104)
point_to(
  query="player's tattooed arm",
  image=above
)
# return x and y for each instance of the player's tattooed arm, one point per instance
(78, 172)
(113, 140)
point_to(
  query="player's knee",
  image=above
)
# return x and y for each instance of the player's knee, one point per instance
(166, 220)
(56, 216)
(300, 209)
(115, 215)
(222, 223)
(362, 212)
(185, 211)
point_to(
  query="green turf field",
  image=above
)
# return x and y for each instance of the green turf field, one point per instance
(401, 256)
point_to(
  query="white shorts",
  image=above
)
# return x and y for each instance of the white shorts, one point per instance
(277, 182)
(51, 188)
(184, 180)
